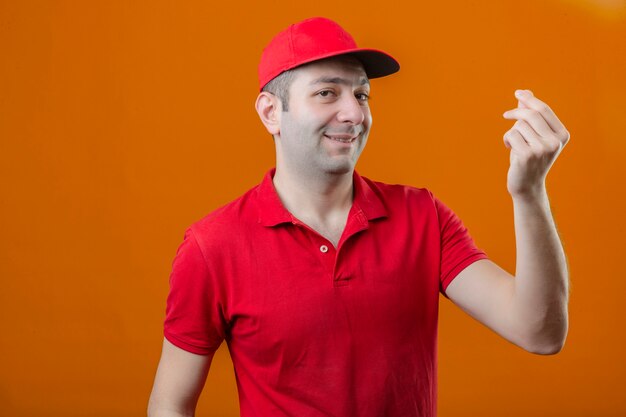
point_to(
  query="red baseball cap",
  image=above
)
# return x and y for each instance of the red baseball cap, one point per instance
(318, 38)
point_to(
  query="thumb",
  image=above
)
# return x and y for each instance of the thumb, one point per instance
(521, 105)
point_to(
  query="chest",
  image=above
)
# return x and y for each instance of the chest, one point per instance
(296, 288)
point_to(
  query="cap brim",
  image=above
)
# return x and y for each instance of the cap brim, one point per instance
(375, 63)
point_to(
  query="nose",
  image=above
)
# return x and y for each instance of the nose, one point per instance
(351, 110)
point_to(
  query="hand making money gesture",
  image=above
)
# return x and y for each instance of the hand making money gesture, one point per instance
(535, 140)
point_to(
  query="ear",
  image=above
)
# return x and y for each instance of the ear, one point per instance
(269, 107)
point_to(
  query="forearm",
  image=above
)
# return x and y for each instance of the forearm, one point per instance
(166, 413)
(160, 408)
(164, 407)
(539, 303)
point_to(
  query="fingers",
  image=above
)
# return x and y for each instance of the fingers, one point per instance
(523, 140)
(521, 135)
(528, 98)
(521, 105)
(529, 135)
(531, 117)
(539, 116)
(514, 140)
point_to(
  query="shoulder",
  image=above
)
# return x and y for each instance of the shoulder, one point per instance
(410, 202)
(394, 195)
(220, 225)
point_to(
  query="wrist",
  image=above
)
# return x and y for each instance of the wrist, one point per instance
(531, 205)
(537, 194)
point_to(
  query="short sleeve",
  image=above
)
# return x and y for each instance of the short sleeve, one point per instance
(458, 249)
(193, 319)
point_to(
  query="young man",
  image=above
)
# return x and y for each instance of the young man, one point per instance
(325, 284)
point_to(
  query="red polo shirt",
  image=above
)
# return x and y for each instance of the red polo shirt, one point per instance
(315, 331)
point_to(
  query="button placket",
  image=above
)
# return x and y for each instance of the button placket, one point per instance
(326, 253)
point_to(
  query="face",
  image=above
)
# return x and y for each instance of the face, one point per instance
(328, 121)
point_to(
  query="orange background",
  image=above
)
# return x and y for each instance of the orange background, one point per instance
(123, 122)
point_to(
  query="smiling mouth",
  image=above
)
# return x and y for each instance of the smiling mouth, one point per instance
(342, 138)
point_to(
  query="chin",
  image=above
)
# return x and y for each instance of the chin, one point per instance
(339, 169)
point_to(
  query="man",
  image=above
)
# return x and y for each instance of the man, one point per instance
(325, 284)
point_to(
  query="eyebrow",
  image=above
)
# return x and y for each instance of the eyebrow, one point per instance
(337, 80)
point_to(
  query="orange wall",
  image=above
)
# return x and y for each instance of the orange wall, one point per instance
(123, 122)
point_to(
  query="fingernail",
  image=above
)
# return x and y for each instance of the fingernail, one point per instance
(520, 93)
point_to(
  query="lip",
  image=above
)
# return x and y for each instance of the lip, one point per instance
(342, 138)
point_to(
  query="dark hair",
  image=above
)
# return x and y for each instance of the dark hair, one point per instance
(279, 86)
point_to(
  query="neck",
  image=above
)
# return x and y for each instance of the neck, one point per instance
(322, 202)
(317, 196)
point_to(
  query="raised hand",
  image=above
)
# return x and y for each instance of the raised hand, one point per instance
(535, 140)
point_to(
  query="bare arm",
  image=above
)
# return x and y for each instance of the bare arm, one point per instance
(529, 309)
(179, 381)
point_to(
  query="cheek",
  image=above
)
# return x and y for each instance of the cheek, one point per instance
(302, 120)
(368, 119)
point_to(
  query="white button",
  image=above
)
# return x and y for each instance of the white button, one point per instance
(324, 248)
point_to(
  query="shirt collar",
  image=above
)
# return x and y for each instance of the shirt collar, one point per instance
(366, 202)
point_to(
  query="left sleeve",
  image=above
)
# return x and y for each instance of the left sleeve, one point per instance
(458, 249)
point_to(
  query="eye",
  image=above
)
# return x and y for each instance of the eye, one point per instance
(325, 93)
(362, 96)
